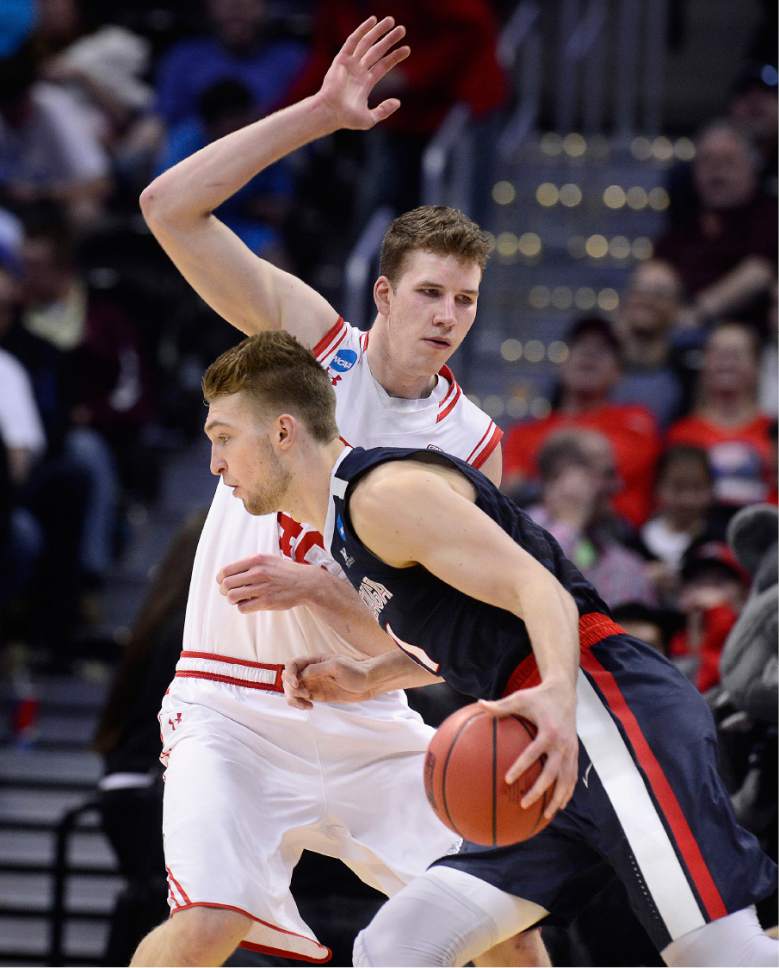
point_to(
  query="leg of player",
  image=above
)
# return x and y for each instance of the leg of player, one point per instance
(527, 948)
(736, 939)
(199, 936)
(444, 917)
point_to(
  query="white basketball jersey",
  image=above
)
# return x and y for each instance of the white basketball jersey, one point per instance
(367, 417)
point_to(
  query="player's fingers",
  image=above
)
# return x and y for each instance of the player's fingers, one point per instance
(546, 778)
(499, 707)
(382, 111)
(386, 64)
(375, 33)
(374, 54)
(526, 758)
(356, 35)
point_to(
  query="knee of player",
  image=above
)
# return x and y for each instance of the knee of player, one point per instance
(377, 945)
(200, 930)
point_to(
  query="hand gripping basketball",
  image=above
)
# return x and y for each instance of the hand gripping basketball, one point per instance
(465, 781)
(551, 708)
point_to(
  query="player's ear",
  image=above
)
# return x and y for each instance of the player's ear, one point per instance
(381, 294)
(285, 431)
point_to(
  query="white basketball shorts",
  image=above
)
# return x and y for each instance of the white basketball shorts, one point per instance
(251, 782)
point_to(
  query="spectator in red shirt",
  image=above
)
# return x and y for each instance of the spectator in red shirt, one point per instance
(727, 422)
(587, 377)
(725, 252)
(712, 595)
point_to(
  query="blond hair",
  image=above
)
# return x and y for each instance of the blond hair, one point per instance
(277, 372)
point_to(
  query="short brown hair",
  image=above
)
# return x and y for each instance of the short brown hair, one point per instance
(276, 371)
(435, 228)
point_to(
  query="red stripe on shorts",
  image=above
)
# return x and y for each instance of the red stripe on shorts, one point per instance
(660, 786)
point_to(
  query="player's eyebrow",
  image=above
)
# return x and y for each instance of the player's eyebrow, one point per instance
(437, 285)
(215, 422)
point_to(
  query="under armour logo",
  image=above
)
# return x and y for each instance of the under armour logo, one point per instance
(173, 724)
(586, 777)
(334, 381)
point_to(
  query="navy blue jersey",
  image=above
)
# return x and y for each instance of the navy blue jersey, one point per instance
(475, 646)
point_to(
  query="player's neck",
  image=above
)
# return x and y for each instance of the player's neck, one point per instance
(308, 494)
(398, 379)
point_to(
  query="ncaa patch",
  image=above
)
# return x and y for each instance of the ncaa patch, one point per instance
(343, 360)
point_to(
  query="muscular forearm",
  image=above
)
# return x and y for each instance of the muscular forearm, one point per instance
(336, 603)
(552, 621)
(196, 186)
(394, 670)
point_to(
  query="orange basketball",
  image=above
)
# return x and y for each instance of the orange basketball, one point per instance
(465, 766)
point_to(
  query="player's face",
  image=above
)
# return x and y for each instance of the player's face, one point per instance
(243, 456)
(431, 307)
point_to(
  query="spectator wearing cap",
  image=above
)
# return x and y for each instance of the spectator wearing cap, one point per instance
(652, 376)
(712, 594)
(726, 421)
(725, 251)
(753, 108)
(578, 477)
(586, 379)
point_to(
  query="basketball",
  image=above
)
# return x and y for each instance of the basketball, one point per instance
(465, 766)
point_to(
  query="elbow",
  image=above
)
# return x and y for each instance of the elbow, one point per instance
(151, 201)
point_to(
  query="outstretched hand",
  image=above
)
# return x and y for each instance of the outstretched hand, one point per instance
(366, 57)
(551, 707)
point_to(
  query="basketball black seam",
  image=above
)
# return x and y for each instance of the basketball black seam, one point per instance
(452, 745)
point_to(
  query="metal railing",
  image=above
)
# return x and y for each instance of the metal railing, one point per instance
(357, 274)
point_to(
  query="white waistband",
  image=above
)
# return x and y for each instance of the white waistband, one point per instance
(221, 668)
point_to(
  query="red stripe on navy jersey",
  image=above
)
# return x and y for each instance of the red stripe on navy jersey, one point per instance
(323, 347)
(492, 443)
(661, 788)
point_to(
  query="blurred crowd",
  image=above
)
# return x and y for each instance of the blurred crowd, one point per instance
(652, 469)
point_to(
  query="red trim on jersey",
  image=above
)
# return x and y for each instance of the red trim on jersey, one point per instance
(364, 337)
(273, 666)
(492, 443)
(267, 924)
(594, 627)
(661, 788)
(290, 531)
(232, 681)
(324, 347)
(264, 949)
(178, 886)
(309, 540)
(446, 406)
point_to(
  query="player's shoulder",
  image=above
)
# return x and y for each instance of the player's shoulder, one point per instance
(341, 347)
(464, 428)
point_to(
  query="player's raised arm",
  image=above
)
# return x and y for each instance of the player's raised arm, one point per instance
(410, 514)
(178, 206)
